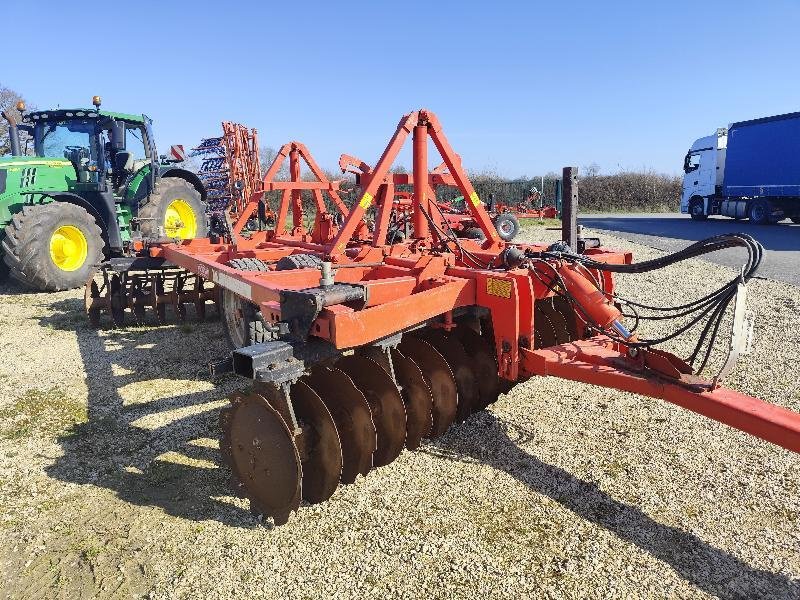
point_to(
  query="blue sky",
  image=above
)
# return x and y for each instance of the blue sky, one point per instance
(520, 87)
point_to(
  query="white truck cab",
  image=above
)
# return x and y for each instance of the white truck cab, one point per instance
(703, 167)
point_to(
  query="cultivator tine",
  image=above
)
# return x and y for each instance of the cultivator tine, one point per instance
(417, 399)
(453, 352)
(385, 403)
(318, 444)
(259, 447)
(439, 379)
(482, 356)
(352, 417)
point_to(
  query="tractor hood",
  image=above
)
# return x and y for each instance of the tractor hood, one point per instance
(10, 162)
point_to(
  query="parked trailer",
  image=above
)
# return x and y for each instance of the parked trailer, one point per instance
(748, 170)
(358, 348)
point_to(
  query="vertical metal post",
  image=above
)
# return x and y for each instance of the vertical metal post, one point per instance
(421, 228)
(569, 207)
(294, 175)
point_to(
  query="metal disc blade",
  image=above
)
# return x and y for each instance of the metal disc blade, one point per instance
(559, 323)
(439, 378)
(565, 309)
(261, 452)
(450, 347)
(318, 444)
(352, 417)
(543, 328)
(90, 293)
(385, 403)
(417, 398)
(484, 365)
(377, 354)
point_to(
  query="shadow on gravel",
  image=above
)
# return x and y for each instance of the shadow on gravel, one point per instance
(708, 568)
(110, 451)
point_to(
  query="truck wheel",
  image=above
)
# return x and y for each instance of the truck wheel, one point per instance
(52, 247)
(174, 210)
(507, 226)
(696, 210)
(759, 212)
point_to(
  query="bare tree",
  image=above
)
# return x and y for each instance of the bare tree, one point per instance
(8, 102)
(592, 170)
(267, 155)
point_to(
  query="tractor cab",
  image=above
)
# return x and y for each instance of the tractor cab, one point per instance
(110, 152)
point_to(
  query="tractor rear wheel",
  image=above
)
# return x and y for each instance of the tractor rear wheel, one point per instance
(174, 210)
(507, 226)
(52, 247)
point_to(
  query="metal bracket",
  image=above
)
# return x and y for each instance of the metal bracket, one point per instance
(299, 308)
(741, 333)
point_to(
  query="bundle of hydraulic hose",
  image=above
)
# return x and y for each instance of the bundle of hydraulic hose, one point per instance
(707, 312)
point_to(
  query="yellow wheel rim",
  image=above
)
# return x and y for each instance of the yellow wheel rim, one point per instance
(180, 220)
(68, 248)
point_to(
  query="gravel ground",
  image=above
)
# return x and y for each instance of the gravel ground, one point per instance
(110, 485)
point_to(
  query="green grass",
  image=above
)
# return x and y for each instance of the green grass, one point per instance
(41, 412)
(543, 223)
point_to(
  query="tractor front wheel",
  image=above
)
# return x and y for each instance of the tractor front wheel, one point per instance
(52, 247)
(174, 210)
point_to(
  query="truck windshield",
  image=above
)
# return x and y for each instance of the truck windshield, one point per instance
(691, 162)
(56, 138)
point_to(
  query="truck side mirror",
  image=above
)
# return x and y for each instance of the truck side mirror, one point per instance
(118, 136)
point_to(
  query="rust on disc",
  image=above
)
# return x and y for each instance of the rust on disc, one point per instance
(385, 403)
(565, 309)
(352, 417)
(439, 378)
(377, 354)
(321, 452)
(260, 450)
(417, 398)
(543, 328)
(557, 319)
(92, 291)
(484, 365)
(450, 347)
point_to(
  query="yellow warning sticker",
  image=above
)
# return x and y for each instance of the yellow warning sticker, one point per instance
(366, 200)
(498, 287)
(474, 198)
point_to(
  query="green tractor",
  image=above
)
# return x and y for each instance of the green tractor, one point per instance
(94, 188)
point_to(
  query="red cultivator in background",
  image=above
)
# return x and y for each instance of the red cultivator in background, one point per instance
(360, 348)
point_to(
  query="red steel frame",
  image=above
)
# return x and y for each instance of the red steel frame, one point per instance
(408, 284)
(244, 164)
